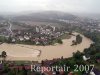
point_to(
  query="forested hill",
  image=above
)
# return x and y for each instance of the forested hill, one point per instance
(46, 15)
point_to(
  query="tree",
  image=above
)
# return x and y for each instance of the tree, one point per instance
(9, 40)
(59, 41)
(4, 55)
(2, 39)
(77, 55)
(78, 39)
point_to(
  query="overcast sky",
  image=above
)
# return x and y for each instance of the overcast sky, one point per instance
(84, 6)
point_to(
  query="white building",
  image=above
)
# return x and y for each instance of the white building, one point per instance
(85, 58)
(37, 29)
(21, 38)
(26, 37)
(92, 73)
(13, 40)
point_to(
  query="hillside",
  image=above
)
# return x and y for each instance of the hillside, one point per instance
(45, 16)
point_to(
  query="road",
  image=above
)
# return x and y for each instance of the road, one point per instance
(10, 28)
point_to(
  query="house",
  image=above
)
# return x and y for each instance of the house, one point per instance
(13, 40)
(54, 28)
(21, 38)
(85, 58)
(26, 37)
(36, 42)
(37, 29)
(92, 73)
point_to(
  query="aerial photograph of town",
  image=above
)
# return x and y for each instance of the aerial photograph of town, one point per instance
(49, 37)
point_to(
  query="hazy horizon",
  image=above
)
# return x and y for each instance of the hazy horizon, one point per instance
(77, 6)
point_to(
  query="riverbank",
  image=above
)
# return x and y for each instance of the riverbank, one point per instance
(30, 52)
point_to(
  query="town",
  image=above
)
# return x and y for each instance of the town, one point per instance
(37, 35)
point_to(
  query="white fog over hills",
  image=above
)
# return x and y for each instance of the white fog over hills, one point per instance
(48, 15)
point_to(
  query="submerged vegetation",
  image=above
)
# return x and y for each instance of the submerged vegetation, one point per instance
(77, 41)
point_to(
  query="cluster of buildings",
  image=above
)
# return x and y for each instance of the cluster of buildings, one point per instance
(43, 34)
(89, 25)
(85, 24)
